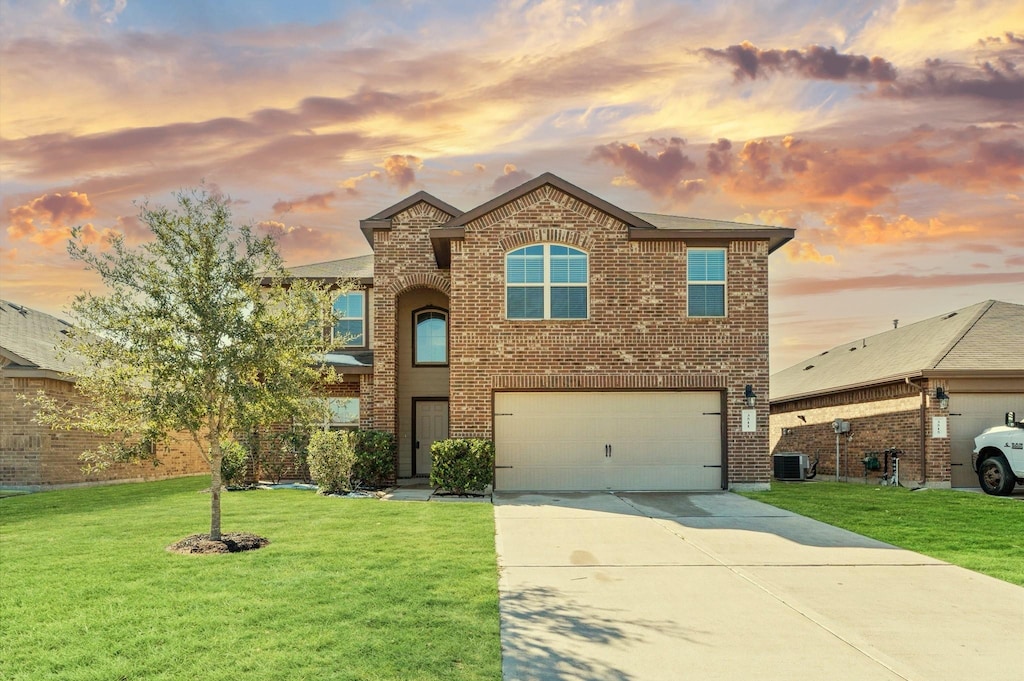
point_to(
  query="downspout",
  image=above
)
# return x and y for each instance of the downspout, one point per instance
(924, 440)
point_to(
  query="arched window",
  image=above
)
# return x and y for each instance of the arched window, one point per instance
(546, 281)
(430, 337)
(350, 316)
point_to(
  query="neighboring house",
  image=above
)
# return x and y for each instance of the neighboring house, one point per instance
(599, 349)
(33, 456)
(892, 388)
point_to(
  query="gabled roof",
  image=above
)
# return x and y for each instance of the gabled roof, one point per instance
(382, 219)
(982, 338)
(511, 195)
(29, 341)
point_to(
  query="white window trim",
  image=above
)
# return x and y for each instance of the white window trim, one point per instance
(361, 319)
(723, 283)
(547, 285)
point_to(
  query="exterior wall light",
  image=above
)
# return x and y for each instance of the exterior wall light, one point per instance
(749, 396)
(943, 397)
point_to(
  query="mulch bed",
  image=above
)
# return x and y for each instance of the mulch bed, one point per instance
(231, 542)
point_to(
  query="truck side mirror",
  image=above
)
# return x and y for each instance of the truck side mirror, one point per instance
(1011, 419)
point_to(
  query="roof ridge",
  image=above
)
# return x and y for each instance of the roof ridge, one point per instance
(987, 305)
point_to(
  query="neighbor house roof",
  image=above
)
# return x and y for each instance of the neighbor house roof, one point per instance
(29, 340)
(984, 338)
(359, 268)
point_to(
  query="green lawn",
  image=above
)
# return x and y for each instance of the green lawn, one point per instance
(972, 530)
(347, 589)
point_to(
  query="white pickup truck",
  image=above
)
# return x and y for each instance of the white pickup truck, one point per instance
(999, 457)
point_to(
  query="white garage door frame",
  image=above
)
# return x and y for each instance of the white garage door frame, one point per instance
(610, 439)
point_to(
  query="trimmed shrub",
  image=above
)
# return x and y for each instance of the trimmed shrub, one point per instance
(375, 457)
(234, 464)
(462, 465)
(331, 459)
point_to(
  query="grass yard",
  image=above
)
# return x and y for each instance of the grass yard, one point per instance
(347, 588)
(974, 531)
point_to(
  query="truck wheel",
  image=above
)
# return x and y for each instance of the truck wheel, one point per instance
(995, 476)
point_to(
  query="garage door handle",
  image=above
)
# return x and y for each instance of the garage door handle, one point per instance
(504, 466)
(607, 450)
(707, 465)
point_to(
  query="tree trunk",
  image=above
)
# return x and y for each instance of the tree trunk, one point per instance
(215, 483)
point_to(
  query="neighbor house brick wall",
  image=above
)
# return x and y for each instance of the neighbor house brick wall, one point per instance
(36, 456)
(638, 335)
(880, 417)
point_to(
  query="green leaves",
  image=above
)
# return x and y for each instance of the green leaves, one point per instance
(185, 337)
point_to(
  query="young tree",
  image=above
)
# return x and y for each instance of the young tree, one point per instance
(188, 340)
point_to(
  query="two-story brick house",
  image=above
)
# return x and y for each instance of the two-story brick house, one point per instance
(600, 349)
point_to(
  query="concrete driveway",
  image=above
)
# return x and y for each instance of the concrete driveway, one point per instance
(654, 586)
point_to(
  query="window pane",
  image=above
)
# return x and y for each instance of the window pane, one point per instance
(525, 302)
(523, 268)
(568, 302)
(344, 410)
(351, 330)
(559, 269)
(431, 338)
(578, 269)
(705, 300)
(705, 265)
(559, 250)
(349, 305)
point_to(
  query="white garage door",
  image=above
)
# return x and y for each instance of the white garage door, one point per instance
(608, 440)
(969, 414)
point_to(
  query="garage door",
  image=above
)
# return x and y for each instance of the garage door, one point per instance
(608, 440)
(969, 414)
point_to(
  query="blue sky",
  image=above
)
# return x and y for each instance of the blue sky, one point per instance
(887, 133)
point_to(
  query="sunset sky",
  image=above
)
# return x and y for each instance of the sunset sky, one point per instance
(889, 134)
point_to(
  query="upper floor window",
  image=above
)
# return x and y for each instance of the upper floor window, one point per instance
(705, 282)
(430, 336)
(546, 281)
(350, 319)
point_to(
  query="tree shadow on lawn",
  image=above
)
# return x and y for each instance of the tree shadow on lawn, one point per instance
(545, 636)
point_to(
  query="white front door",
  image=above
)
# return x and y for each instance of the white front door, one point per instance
(431, 423)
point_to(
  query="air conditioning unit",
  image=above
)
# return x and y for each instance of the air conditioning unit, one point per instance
(791, 466)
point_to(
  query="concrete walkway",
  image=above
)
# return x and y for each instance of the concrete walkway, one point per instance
(652, 586)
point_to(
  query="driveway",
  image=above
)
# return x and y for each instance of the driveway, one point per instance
(654, 586)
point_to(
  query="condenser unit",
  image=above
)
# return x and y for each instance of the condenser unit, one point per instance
(790, 466)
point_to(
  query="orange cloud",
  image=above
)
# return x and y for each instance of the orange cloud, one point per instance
(946, 280)
(803, 251)
(400, 169)
(44, 220)
(855, 227)
(308, 204)
(511, 177)
(660, 173)
(294, 237)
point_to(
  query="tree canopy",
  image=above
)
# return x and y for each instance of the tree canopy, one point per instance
(199, 331)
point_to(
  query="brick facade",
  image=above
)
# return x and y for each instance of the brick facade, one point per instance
(33, 456)
(896, 415)
(637, 336)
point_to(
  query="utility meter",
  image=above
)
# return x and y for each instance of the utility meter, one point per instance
(840, 426)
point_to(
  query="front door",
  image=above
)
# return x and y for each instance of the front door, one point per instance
(430, 418)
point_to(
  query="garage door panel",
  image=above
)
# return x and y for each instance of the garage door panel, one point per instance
(557, 440)
(970, 414)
